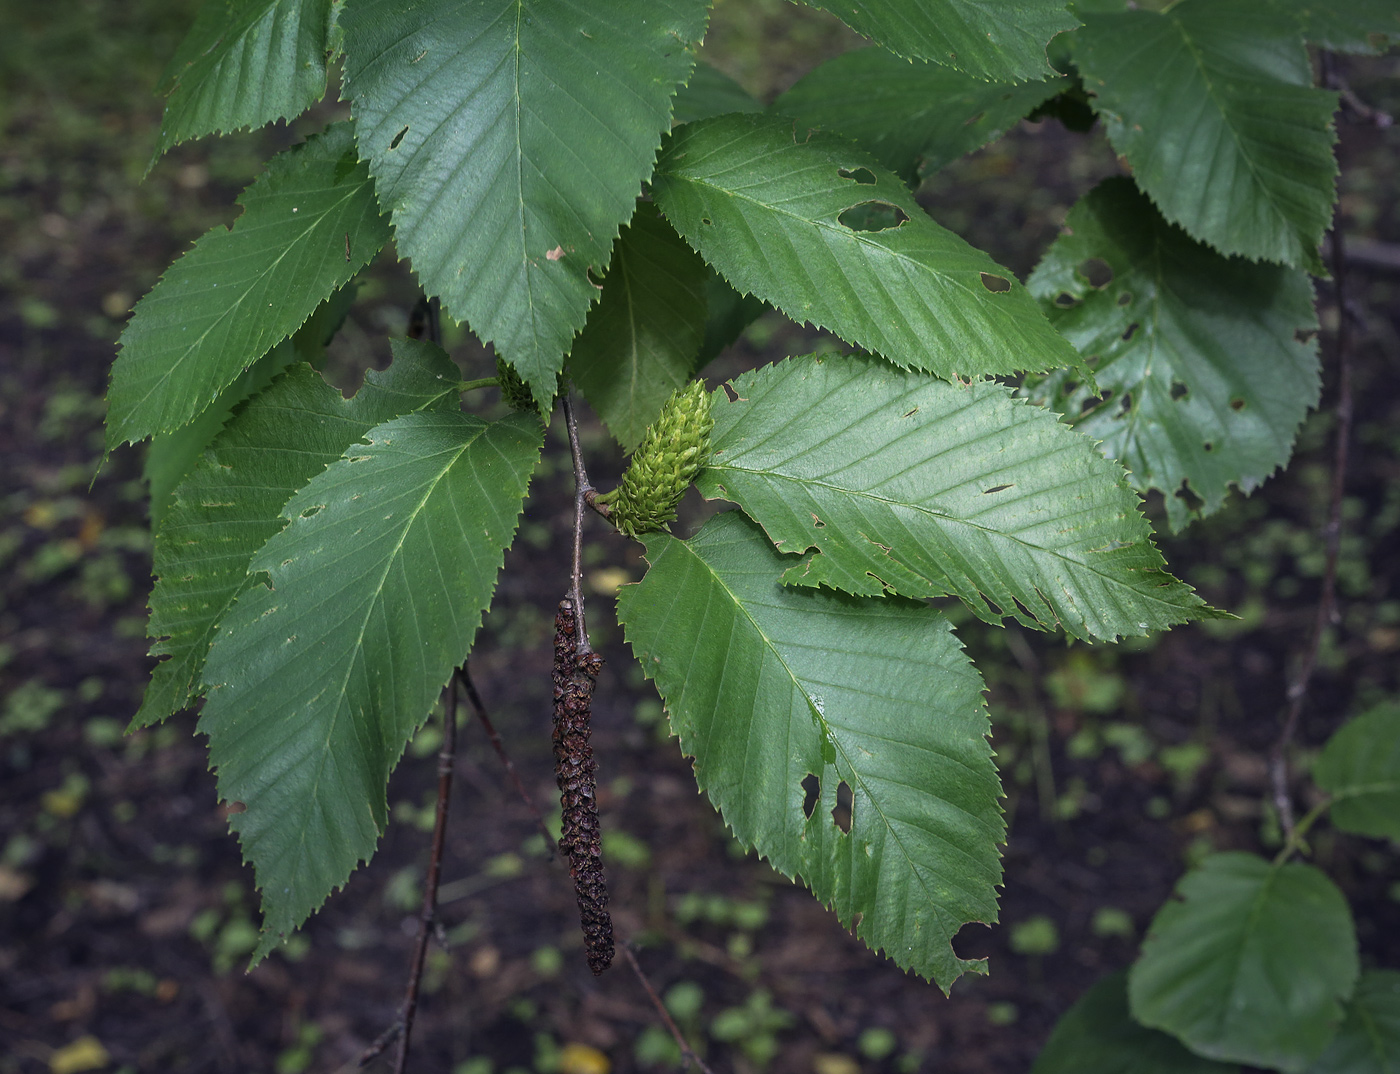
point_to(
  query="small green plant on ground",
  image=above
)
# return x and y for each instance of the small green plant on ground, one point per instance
(323, 564)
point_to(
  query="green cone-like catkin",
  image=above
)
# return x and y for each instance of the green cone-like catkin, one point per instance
(673, 451)
(516, 392)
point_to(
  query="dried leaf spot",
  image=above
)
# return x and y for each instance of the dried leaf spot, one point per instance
(1188, 496)
(995, 284)
(1064, 300)
(995, 488)
(1125, 298)
(1097, 271)
(811, 793)
(1130, 331)
(863, 176)
(557, 254)
(1237, 403)
(873, 216)
(313, 510)
(1127, 403)
(398, 138)
(1304, 335)
(1208, 446)
(843, 812)
(1179, 390)
(595, 278)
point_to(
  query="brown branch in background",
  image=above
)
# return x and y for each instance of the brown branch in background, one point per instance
(576, 772)
(500, 749)
(688, 1055)
(1332, 531)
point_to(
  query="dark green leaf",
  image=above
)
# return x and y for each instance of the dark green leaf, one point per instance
(1212, 104)
(509, 142)
(1367, 26)
(1360, 769)
(768, 686)
(912, 117)
(642, 339)
(1369, 1040)
(1206, 365)
(711, 92)
(1098, 1036)
(910, 485)
(232, 502)
(728, 314)
(318, 679)
(1250, 964)
(245, 63)
(767, 211)
(240, 292)
(1000, 42)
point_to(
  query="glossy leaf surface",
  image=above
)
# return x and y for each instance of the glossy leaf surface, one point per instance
(909, 485)
(1250, 963)
(767, 211)
(768, 685)
(509, 141)
(1360, 768)
(241, 291)
(1206, 365)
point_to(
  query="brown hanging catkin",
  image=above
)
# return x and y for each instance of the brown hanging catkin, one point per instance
(575, 770)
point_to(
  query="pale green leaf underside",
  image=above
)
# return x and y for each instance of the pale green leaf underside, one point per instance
(912, 117)
(1251, 963)
(245, 63)
(764, 209)
(996, 40)
(316, 683)
(1206, 365)
(1369, 1040)
(767, 684)
(232, 502)
(1360, 768)
(1098, 1036)
(509, 142)
(239, 292)
(643, 336)
(906, 484)
(1212, 104)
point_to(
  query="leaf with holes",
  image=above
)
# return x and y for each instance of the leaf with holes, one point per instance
(245, 63)
(1212, 104)
(912, 117)
(231, 503)
(241, 291)
(1369, 1040)
(1365, 26)
(905, 484)
(318, 678)
(787, 221)
(641, 340)
(1360, 768)
(1251, 963)
(1206, 365)
(999, 42)
(1098, 1036)
(509, 142)
(774, 689)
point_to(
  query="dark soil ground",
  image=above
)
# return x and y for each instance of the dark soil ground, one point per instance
(126, 916)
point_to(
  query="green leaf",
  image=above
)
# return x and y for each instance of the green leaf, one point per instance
(711, 92)
(909, 485)
(767, 211)
(768, 685)
(1360, 768)
(245, 63)
(1251, 963)
(1206, 365)
(318, 680)
(912, 117)
(1212, 104)
(1365, 26)
(241, 291)
(231, 503)
(509, 142)
(999, 42)
(641, 340)
(728, 313)
(1098, 1036)
(1369, 1040)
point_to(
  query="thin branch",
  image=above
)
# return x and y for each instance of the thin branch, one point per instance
(499, 746)
(1326, 613)
(582, 491)
(688, 1055)
(446, 757)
